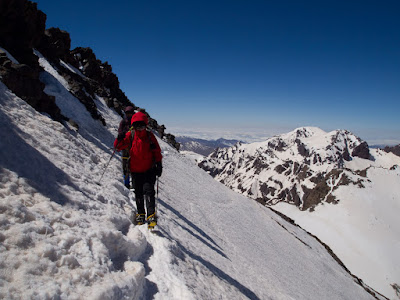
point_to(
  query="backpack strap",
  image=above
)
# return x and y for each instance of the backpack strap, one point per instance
(152, 144)
(130, 143)
(152, 148)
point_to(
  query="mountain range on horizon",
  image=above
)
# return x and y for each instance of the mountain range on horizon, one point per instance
(202, 146)
(64, 236)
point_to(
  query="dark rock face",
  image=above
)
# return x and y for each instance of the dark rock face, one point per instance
(102, 81)
(21, 28)
(278, 145)
(170, 139)
(395, 150)
(301, 148)
(24, 81)
(321, 191)
(55, 44)
(361, 151)
(258, 165)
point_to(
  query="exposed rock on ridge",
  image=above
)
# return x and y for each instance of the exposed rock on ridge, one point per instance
(394, 149)
(21, 29)
(302, 167)
(23, 35)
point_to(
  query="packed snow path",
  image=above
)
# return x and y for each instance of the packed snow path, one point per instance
(64, 236)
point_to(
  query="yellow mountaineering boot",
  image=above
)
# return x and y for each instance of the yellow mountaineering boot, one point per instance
(139, 219)
(151, 221)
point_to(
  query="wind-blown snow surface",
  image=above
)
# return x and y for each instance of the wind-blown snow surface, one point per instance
(363, 229)
(63, 236)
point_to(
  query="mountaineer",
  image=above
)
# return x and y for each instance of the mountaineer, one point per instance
(145, 165)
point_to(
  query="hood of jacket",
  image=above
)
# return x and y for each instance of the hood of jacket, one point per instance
(140, 117)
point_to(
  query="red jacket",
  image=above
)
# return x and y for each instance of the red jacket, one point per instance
(142, 157)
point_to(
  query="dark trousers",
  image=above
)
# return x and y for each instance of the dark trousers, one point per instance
(125, 162)
(144, 192)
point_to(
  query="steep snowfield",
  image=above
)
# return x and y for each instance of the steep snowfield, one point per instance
(363, 229)
(64, 236)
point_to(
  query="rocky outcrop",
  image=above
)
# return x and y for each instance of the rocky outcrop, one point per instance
(102, 81)
(24, 81)
(22, 29)
(55, 44)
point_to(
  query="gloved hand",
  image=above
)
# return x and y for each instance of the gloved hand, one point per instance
(120, 137)
(158, 168)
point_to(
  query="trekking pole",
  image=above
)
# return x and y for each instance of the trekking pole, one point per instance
(112, 155)
(156, 197)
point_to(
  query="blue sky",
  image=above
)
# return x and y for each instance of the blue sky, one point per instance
(249, 66)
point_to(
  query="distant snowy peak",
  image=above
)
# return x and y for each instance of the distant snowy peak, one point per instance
(302, 167)
(202, 146)
(315, 146)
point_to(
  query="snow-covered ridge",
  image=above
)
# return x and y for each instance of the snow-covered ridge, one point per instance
(64, 236)
(290, 167)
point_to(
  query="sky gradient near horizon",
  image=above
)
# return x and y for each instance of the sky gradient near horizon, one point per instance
(248, 66)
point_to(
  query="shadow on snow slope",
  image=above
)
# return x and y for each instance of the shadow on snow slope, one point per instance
(30, 164)
(199, 236)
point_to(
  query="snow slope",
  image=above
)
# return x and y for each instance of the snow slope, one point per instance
(194, 157)
(64, 236)
(363, 229)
